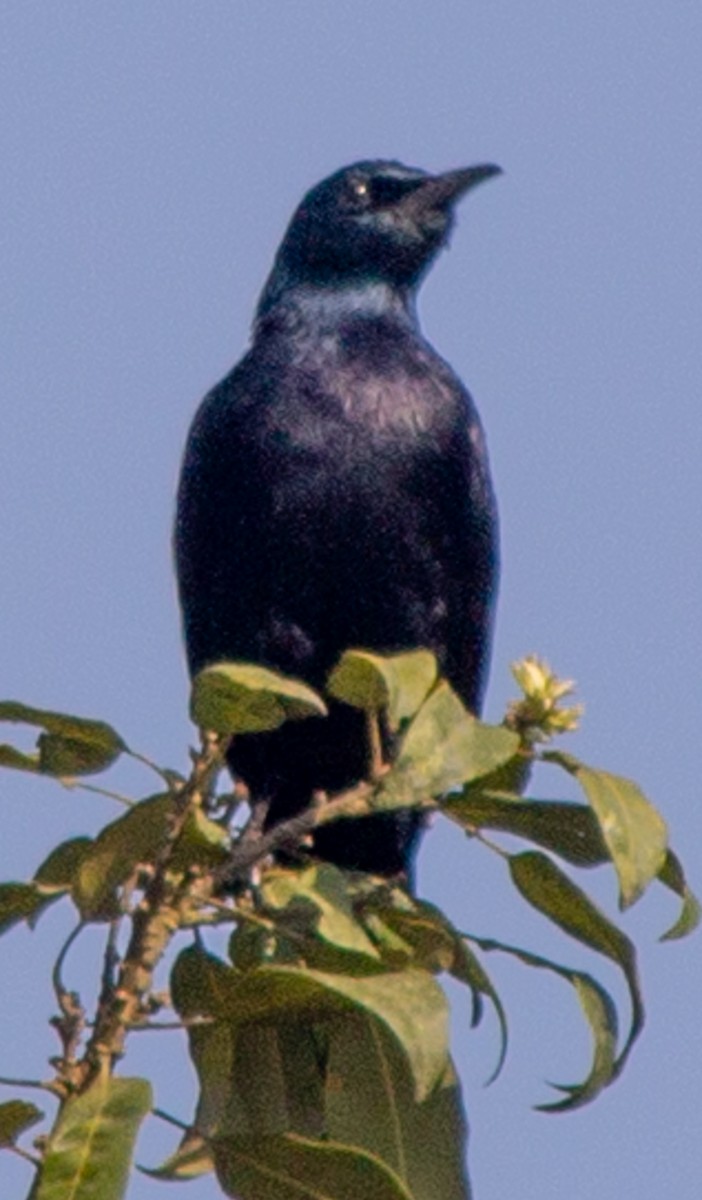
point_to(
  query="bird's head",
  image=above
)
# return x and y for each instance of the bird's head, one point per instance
(376, 221)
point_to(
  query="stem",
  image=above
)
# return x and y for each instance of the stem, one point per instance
(245, 854)
(159, 1112)
(73, 785)
(169, 777)
(59, 989)
(30, 1158)
(476, 832)
(154, 922)
(376, 766)
(26, 1083)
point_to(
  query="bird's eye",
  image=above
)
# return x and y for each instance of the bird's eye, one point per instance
(360, 190)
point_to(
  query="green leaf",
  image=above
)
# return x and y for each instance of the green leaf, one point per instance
(409, 1003)
(511, 778)
(408, 930)
(27, 901)
(600, 1014)
(10, 757)
(191, 1160)
(397, 683)
(257, 1080)
(370, 1103)
(468, 969)
(633, 830)
(16, 1117)
(59, 868)
(20, 902)
(418, 934)
(202, 842)
(68, 746)
(212, 1052)
(89, 1152)
(545, 886)
(231, 698)
(317, 897)
(296, 1168)
(136, 837)
(444, 747)
(569, 830)
(673, 876)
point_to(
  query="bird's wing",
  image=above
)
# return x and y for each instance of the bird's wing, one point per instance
(221, 522)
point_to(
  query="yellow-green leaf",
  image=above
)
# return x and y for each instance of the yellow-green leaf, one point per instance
(397, 683)
(601, 1016)
(20, 902)
(409, 1003)
(673, 876)
(89, 1153)
(633, 830)
(317, 897)
(443, 748)
(191, 1160)
(550, 891)
(16, 1116)
(231, 698)
(370, 1103)
(569, 830)
(68, 746)
(134, 838)
(296, 1168)
(59, 868)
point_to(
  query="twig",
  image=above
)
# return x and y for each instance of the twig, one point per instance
(169, 777)
(154, 922)
(30, 1158)
(245, 854)
(375, 746)
(5, 1081)
(58, 985)
(159, 1112)
(73, 784)
(171, 1026)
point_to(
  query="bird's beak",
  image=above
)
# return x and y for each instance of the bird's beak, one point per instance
(442, 191)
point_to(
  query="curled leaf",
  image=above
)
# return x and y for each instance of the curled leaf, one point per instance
(601, 1016)
(231, 698)
(633, 830)
(549, 890)
(16, 1116)
(673, 876)
(68, 746)
(397, 683)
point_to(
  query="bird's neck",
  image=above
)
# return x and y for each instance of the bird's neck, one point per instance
(327, 305)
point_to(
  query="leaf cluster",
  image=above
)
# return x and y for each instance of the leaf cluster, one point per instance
(320, 1040)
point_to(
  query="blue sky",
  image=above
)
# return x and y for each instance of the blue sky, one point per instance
(152, 154)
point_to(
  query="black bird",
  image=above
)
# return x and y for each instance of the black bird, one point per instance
(335, 490)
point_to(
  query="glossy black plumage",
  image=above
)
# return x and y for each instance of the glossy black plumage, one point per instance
(335, 490)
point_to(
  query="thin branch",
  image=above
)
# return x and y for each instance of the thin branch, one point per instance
(5, 1081)
(245, 854)
(30, 1158)
(111, 957)
(159, 1112)
(376, 764)
(169, 777)
(60, 990)
(73, 784)
(476, 832)
(154, 922)
(171, 1026)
